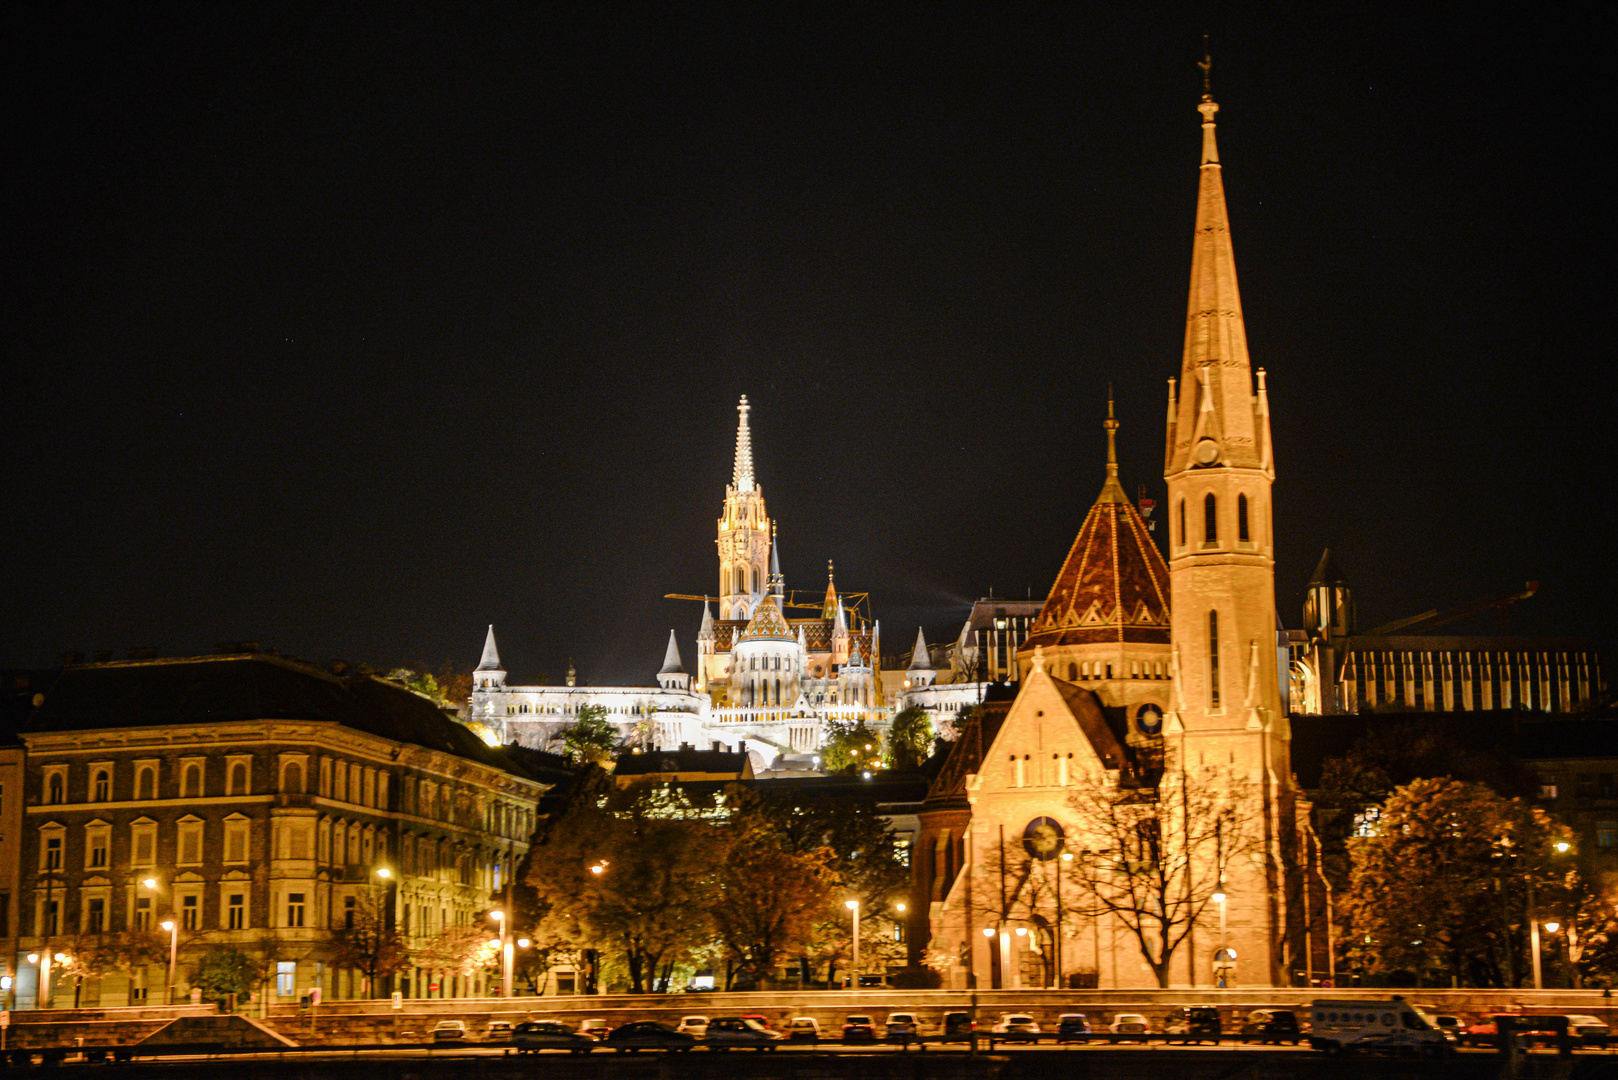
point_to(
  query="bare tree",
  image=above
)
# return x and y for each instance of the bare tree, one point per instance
(367, 943)
(1152, 858)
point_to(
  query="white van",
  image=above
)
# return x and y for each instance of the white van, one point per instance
(1389, 1025)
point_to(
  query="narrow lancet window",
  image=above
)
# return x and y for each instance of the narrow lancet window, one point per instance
(1213, 657)
(1210, 520)
(1242, 532)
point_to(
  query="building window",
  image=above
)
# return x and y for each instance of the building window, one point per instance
(53, 853)
(55, 789)
(95, 915)
(1547, 791)
(236, 912)
(236, 840)
(286, 974)
(143, 913)
(192, 788)
(145, 836)
(53, 917)
(146, 785)
(137, 987)
(294, 909)
(1182, 522)
(5, 914)
(1210, 519)
(292, 777)
(350, 910)
(1213, 658)
(189, 910)
(190, 843)
(1241, 519)
(1607, 834)
(97, 839)
(101, 788)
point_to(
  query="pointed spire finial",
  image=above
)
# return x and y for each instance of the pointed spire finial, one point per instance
(1208, 107)
(742, 474)
(1112, 491)
(1206, 64)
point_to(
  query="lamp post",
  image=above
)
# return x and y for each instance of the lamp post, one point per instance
(505, 952)
(1562, 847)
(174, 947)
(42, 983)
(854, 906)
(1222, 957)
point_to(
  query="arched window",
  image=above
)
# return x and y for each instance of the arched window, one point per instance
(1241, 519)
(55, 789)
(102, 790)
(238, 778)
(778, 691)
(1182, 523)
(193, 782)
(1213, 657)
(744, 582)
(1210, 519)
(1073, 673)
(292, 778)
(147, 788)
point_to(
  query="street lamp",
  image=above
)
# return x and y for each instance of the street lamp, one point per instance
(854, 906)
(42, 990)
(506, 952)
(174, 946)
(1224, 955)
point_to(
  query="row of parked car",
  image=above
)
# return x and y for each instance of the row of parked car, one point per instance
(903, 1026)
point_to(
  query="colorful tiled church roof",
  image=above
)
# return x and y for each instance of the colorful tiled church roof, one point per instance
(1114, 586)
(767, 624)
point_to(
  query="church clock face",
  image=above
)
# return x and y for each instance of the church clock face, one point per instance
(1043, 838)
(1149, 719)
(1206, 451)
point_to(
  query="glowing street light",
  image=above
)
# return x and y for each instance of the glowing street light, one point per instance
(174, 947)
(1553, 927)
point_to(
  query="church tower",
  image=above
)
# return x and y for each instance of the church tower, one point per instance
(1225, 713)
(744, 533)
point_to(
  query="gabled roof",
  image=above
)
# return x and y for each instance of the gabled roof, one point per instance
(221, 689)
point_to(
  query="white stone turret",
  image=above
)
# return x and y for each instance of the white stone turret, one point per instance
(489, 675)
(673, 675)
(920, 673)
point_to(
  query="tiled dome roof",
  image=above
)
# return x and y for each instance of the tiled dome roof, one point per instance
(767, 624)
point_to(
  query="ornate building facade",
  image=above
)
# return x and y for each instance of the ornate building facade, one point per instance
(766, 679)
(1147, 738)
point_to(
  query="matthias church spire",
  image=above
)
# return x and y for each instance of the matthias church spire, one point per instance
(742, 474)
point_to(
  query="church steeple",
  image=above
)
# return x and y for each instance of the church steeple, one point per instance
(1214, 418)
(742, 473)
(778, 584)
(744, 531)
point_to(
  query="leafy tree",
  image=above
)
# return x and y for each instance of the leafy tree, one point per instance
(91, 956)
(910, 739)
(590, 738)
(851, 746)
(370, 945)
(632, 869)
(768, 900)
(1158, 857)
(223, 970)
(1442, 881)
(458, 950)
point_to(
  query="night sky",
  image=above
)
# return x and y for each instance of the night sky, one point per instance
(352, 332)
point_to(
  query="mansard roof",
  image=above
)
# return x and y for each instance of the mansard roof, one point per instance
(767, 624)
(1114, 585)
(222, 689)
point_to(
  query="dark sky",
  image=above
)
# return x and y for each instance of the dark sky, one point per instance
(351, 332)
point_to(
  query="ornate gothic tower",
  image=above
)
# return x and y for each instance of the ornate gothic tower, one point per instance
(1225, 708)
(744, 533)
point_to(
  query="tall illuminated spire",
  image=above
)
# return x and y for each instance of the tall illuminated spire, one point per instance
(1214, 421)
(742, 476)
(1112, 491)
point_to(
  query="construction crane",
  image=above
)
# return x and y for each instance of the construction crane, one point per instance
(1499, 602)
(853, 602)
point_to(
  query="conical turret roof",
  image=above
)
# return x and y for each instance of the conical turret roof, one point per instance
(767, 624)
(921, 659)
(705, 631)
(671, 658)
(491, 655)
(1326, 572)
(1114, 585)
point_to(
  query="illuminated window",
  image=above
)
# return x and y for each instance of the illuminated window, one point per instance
(1213, 657)
(1210, 519)
(190, 909)
(295, 909)
(1241, 519)
(286, 975)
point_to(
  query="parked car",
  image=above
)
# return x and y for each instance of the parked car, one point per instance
(449, 1031)
(763, 1021)
(907, 1026)
(1193, 1024)
(1015, 1027)
(648, 1035)
(1481, 1033)
(597, 1027)
(739, 1031)
(859, 1028)
(1450, 1026)
(804, 1029)
(532, 1036)
(1589, 1031)
(498, 1031)
(1272, 1025)
(1387, 1025)
(1073, 1027)
(694, 1026)
(1129, 1027)
(958, 1027)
